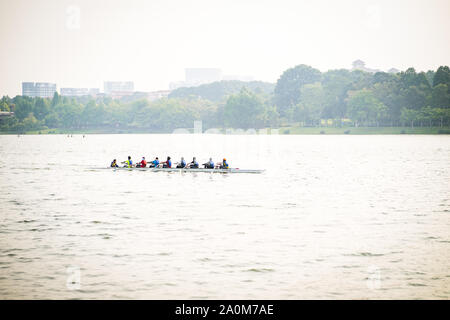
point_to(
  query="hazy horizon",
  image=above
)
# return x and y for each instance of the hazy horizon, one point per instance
(81, 44)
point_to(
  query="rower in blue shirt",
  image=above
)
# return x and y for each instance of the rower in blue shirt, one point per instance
(193, 164)
(167, 163)
(182, 163)
(154, 163)
(114, 164)
(209, 164)
(224, 164)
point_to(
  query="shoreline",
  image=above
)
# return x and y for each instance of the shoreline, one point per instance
(281, 131)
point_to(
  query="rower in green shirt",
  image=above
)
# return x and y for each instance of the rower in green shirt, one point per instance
(128, 163)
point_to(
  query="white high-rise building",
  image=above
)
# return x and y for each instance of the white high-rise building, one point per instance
(118, 86)
(79, 92)
(38, 89)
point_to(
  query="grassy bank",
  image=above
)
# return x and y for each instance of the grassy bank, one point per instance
(365, 130)
(83, 131)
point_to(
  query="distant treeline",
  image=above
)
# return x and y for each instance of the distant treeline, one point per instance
(302, 96)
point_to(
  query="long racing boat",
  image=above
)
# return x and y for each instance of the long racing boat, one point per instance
(231, 170)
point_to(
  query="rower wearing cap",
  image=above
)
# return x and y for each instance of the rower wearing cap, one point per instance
(167, 163)
(224, 164)
(209, 164)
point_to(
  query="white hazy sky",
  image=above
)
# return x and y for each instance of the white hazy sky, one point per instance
(81, 43)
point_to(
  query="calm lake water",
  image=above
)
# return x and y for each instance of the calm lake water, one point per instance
(340, 217)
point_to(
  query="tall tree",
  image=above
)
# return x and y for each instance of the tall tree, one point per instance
(442, 75)
(55, 100)
(287, 89)
(313, 100)
(441, 96)
(41, 108)
(336, 83)
(363, 107)
(23, 106)
(244, 110)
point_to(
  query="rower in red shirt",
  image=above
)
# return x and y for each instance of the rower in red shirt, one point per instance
(167, 163)
(143, 163)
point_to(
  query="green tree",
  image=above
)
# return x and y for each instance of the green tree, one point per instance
(23, 106)
(388, 93)
(442, 76)
(415, 97)
(336, 84)
(243, 110)
(41, 108)
(220, 91)
(270, 116)
(31, 123)
(70, 115)
(52, 120)
(4, 106)
(430, 76)
(441, 96)
(312, 101)
(93, 115)
(56, 100)
(409, 116)
(363, 107)
(410, 78)
(287, 90)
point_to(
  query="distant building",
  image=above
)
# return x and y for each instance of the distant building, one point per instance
(393, 70)
(38, 89)
(118, 86)
(176, 85)
(155, 95)
(120, 94)
(361, 65)
(198, 76)
(79, 92)
(6, 114)
(237, 77)
(138, 95)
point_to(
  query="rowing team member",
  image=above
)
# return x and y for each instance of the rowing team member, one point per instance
(224, 164)
(114, 164)
(167, 163)
(182, 163)
(209, 164)
(193, 164)
(142, 164)
(154, 163)
(128, 163)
